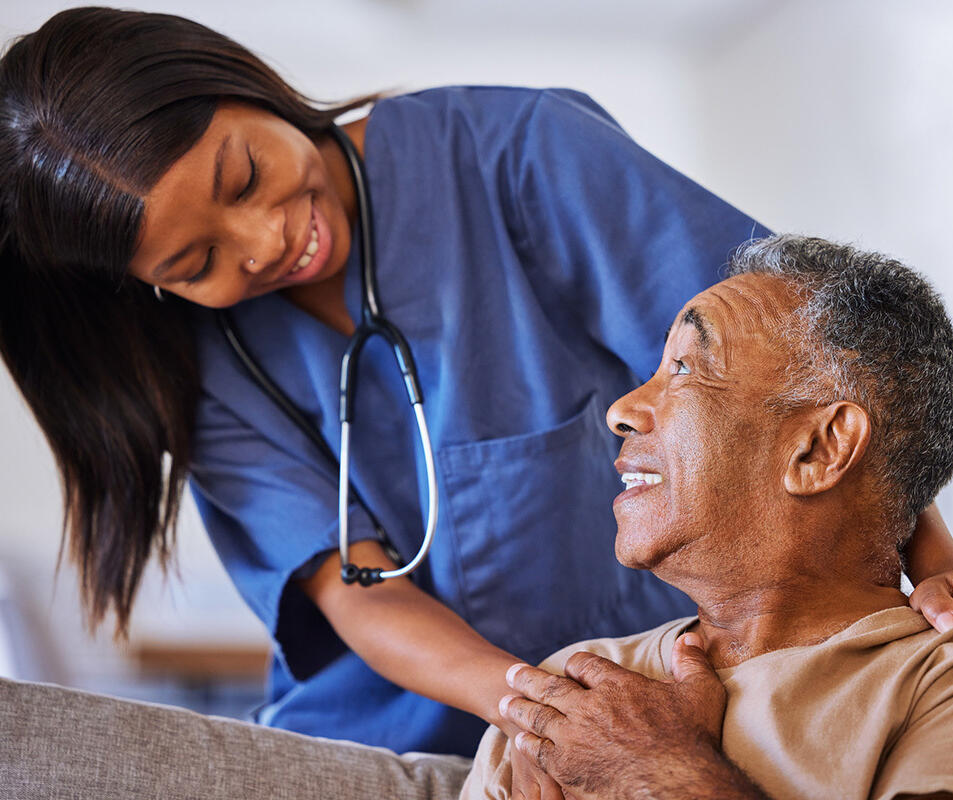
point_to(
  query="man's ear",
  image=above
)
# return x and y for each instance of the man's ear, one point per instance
(828, 442)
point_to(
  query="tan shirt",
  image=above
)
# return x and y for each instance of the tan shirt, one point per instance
(866, 713)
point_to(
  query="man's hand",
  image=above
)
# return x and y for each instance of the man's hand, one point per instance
(605, 732)
(530, 782)
(933, 598)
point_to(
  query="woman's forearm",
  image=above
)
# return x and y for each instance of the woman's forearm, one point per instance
(930, 550)
(410, 638)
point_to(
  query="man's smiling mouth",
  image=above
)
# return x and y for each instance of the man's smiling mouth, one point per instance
(631, 479)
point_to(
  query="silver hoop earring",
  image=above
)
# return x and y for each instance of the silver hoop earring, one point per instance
(159, 296)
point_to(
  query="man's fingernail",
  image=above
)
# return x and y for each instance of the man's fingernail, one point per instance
(511, 672)
(505, 703)
(944, 622)
(692, 640)
(520, 739)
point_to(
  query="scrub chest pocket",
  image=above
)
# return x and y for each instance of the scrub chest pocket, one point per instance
(523, 579)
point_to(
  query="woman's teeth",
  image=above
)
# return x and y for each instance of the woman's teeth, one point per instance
(309, 251)
(631, 479)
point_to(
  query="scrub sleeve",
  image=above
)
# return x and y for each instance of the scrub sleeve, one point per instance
(534, 256)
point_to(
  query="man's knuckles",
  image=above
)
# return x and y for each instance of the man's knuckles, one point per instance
(542, 686)
(589, 669)
(554, 687)
(539, 750)
(531, 715)
(540, 717)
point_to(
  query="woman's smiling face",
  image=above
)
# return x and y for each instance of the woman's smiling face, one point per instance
(249, 209)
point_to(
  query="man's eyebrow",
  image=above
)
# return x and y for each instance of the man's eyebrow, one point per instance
(695, 317)
(166, 265)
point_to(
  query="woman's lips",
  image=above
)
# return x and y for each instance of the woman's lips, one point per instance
(299, 274)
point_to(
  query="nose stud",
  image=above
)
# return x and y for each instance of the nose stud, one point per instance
(251, 262)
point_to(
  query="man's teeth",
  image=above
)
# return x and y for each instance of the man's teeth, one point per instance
(309, 251)
(631, 479)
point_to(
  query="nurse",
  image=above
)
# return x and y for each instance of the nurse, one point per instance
(152, 171)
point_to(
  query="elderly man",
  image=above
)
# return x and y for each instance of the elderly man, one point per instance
(801, 417)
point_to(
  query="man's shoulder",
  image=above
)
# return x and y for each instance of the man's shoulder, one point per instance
(881, 690)
(647, 652)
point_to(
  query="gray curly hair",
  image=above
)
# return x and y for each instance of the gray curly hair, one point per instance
(869, 330)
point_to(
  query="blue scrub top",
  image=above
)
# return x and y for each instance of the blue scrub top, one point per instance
(534, 256)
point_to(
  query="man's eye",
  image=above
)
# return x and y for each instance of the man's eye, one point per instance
(682, 368)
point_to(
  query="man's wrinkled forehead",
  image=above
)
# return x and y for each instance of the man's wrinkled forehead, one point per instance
(743, 307)
(750, 302)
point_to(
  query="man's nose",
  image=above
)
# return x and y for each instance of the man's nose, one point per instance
(633, 412)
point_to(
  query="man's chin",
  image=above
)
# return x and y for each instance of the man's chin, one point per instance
(638, 554)
(653, 547)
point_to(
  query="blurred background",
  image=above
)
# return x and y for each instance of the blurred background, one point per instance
(829, 117)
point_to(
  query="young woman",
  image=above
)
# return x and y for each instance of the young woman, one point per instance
(153, 171)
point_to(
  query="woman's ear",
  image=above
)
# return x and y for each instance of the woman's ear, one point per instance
(828, 442)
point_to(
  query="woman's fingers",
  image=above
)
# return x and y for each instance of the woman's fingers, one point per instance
(933, 597)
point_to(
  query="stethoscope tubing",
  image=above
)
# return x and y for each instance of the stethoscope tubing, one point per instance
(373, 323)
(431, 493)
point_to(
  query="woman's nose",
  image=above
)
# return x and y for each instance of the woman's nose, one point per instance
(632, 412)
(263, 239)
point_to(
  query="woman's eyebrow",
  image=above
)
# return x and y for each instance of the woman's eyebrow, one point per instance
(219, 168)
(166, 265)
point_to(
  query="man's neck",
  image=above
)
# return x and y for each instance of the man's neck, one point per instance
(802, 611)
(798, 580)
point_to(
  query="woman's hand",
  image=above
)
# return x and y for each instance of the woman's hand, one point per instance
(933, 598)
(930, 568)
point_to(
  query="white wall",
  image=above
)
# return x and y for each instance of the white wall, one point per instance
(823, 117)
(837, 119)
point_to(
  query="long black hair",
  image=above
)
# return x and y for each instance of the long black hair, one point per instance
(95, 106)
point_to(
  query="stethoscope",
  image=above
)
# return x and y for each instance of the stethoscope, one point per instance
(373, 323)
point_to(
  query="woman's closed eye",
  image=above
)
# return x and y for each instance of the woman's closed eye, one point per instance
(246, 191)
(252, 177)
(206, 269)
